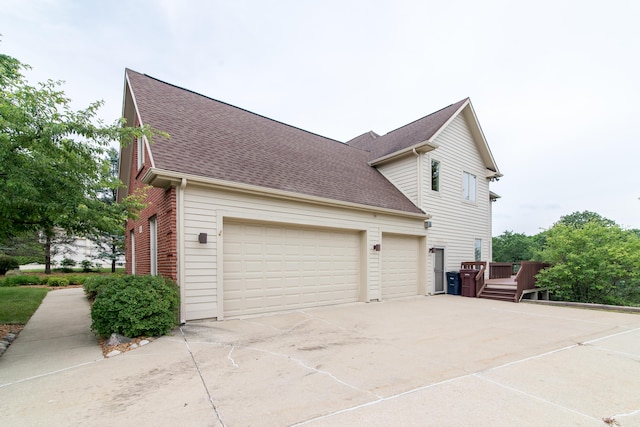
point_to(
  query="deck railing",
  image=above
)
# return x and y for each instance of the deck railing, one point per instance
(526, 277)
(500, 270)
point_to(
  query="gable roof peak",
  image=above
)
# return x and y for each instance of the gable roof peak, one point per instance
(416, 132)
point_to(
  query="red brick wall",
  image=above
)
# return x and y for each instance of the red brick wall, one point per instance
(162, 204)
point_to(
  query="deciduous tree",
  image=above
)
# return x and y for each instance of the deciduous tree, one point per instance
(596, 262)
(53, 167)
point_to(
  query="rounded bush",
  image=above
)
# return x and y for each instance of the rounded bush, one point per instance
(57, 281)
(93, 285)
(8, 263)
(135, 306)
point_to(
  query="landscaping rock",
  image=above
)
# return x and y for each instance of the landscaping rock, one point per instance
(113, 353)
(144, 342)
(9, 337)
(117, 339)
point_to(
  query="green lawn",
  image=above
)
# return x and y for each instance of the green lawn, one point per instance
(18, 304)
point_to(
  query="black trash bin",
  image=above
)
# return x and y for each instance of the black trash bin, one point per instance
(453, 282)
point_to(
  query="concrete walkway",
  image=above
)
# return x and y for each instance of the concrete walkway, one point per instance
(434, 361)
(57, 337)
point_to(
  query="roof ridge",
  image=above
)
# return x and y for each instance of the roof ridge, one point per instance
(428, 115)
(238, 108)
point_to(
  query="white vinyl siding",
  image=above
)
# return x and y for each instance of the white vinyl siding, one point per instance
(400, 263)
(403, 173)
(271, 267)
(207, 210)
(456, 222)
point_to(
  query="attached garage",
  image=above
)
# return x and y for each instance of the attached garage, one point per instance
(273, 267)
(400, 263)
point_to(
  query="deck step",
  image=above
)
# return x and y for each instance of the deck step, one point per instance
(498, 294)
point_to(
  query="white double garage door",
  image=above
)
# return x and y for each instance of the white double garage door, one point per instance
(271, 267)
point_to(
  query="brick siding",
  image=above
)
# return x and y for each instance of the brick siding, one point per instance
(161, 203)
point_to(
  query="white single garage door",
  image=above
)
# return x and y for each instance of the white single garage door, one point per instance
(276, 267)
(399, 265)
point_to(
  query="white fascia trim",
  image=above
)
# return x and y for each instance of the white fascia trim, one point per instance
(175, 178)
(422, 147)
(147, 146)
(451, 118)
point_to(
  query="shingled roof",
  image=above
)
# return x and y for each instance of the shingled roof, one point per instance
(406, 136)
(212, 139)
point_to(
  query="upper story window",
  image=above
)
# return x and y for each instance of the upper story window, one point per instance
(468, 187)
(435, 175)
(140, 151)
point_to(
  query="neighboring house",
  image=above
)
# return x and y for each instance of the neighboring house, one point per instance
(250, 215)
(78, 249)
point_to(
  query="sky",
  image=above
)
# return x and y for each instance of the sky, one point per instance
(555, 84)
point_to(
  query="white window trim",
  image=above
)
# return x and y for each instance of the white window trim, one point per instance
(133, 251)
(140, 148)
(439, 175)
(153, 246)
(469, 186)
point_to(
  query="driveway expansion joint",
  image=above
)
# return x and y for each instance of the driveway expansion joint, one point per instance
(204, 383)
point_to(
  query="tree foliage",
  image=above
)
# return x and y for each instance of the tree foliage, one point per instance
(53, 163)
(580, 219)
(593, 261)
(592, 258)
(512, 247)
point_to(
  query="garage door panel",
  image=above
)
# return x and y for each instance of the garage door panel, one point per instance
(271, 267)
(399, 266)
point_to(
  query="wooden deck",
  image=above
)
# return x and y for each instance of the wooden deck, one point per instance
(505, 286)
(503, 281)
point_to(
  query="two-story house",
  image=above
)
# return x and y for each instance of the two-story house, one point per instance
(250, 215)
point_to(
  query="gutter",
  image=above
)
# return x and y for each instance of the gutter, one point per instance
(165, 179)
(422, 147)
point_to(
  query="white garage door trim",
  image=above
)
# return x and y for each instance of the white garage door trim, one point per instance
(400, 265)
(274, 267)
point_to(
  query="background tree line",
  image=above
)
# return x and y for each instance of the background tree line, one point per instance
(592, 258)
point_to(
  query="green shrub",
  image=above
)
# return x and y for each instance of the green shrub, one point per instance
(21, 280)
(57, 281)
(8, 263)
(93, 285)
(135, 306)
(76, 279)
(67, 265)
(86, 266)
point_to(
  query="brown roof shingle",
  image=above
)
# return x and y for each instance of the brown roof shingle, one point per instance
(406, 136)
(212, 139)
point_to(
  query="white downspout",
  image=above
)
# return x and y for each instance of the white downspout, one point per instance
(419, 180)
(180, 249)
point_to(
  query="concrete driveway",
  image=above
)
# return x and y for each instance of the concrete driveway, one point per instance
(441, 361)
